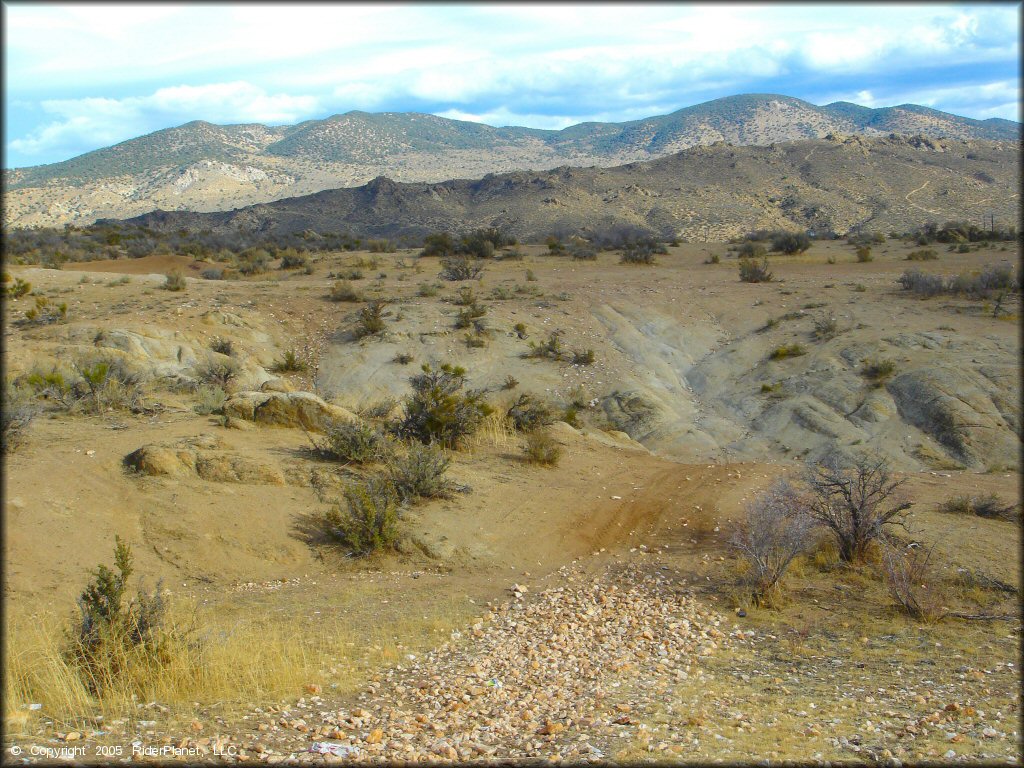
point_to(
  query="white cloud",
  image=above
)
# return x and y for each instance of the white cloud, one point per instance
(91, 122)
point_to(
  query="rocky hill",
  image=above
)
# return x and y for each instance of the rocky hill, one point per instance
(203, 167)
(835, 184)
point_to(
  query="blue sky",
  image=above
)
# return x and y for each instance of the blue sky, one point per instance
(83, 76)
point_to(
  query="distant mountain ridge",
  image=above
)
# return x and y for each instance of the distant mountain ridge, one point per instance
(837, 184)
(201, 166)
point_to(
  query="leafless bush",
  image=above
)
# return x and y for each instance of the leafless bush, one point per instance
(460, 268)
(907, 573)
(776, 529)
(856, 501)
(754, 272)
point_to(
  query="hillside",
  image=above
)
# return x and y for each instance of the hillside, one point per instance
(203, 167)
(835, 184)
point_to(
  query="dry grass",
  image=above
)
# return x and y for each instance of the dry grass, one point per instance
(496, 431)
(237, 659)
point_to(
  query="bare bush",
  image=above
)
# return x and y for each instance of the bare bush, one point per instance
(907, 573)
(776, 529)
(528, 413)
(460, 268)
(856, 501)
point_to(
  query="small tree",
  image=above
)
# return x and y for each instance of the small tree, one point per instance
(856, 502)
(776, 529)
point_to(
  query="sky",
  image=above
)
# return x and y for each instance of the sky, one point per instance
(82, 76)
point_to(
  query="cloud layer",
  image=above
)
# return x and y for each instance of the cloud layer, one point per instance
(86, 76)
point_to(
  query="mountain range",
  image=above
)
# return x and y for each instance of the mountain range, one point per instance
(836, 184)
(204, 167)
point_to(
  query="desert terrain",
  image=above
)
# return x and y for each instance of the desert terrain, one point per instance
(591, 610)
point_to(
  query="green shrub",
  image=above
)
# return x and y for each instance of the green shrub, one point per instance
(419, 474)
(878, 370)
(438, 244)
(380, 246)
(753, 272)
(542, 449)
(469, 314)
(18, 288)
(428, 290)
(923, 254)
(290, 363)
(117, 641)
(174, 281)
(44, 312)
(640, 252)
(371, 319)
(787, 350)
(528, 413)
(369, 520)
(750, 250)
(790, 242)
(583, 357)
(254, 261)
(343, 290)
(292, 259)
(550, 349)
(438, 411)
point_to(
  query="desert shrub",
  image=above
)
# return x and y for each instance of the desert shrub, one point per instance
(370, 321)
(349, 273)
(420, 473)
(343, 290)
(45, 312)
(292, 259)
(438, 244)
(469, 314)
(460, 268)
(369, 520)
(511, 382)
(528, 413)
(439, 411)
(922, 254)
(502, 293)
(982, 284)
(380, 246)
(555, 245)
(855, 501)
(216, 371)
(921, 284)
(542, 449)
(254, 261)
(520, 330)
(222, 346)
(17, 289)
(864, 254)
(464, 296)
(787, 350)
(354, 441)
(107, 383)
(640, 252)
(117, 641)
(402, 358)
(583, 357)
(878, 371)
(581, 250)
(825, 328)
(213, 273)
(790, 242)
(17, 413)
(211, 400)
(550, 349)
(990, 507)
(751, 250)
(714, 258)
(774, 531)
(428, 290)
(754, 272)
(289, 363)
(477, 339)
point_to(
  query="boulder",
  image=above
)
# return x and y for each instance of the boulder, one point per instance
(286, 409)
